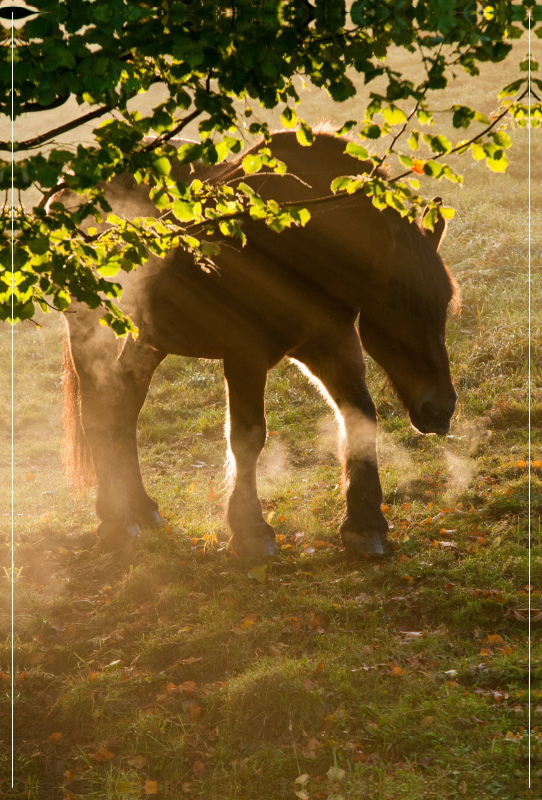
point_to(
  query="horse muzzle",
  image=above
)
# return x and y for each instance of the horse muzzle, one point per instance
(433, 415)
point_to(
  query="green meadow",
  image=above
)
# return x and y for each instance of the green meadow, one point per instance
(177, 669)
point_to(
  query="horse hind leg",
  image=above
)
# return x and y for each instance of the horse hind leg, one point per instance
(246, 428)
(112, 391)
(339, 367)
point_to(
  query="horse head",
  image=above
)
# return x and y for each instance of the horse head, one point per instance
(402, 324)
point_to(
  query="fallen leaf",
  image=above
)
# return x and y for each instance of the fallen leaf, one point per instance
(302, 779)
(335, 773)
(258, 573)
(321, 545)
(55, 737)
(310, 748)
(138, 762)
(198, 768)
(249, 620)
(397, 671)
(150, 787)
(102, 755)
(274, 651)
(188, 687)
(426, 721)
(494, 638)
(193, 709)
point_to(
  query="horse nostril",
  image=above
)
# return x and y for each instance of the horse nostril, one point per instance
(432, 411)
(427, 409)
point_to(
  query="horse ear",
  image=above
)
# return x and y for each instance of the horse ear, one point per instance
(439, 229)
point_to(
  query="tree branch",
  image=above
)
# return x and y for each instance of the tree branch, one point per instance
(45, 137)
(465, 144)
(162, 139)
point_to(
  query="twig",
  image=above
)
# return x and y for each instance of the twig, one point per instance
(68, 126)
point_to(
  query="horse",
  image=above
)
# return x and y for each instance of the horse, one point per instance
(353, 276)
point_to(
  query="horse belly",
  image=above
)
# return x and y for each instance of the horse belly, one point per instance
(269, 295)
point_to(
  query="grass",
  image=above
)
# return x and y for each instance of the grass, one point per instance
(172, 670)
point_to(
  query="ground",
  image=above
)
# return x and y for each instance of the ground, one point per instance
(179, 670)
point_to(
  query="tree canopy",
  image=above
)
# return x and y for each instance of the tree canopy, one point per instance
(209, 55)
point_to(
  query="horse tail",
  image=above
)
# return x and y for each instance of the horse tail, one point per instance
(78, 458)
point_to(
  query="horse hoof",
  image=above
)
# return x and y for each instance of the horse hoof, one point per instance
(111, 535)
(368, 545)
(152, 519)
(257, 546)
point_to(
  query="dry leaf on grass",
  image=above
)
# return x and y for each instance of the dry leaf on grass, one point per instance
(102, 755)
(150, 787)
(138, 762)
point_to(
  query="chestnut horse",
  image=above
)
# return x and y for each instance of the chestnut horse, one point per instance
(295, 294)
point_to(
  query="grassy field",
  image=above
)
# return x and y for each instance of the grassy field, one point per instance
(180, 672)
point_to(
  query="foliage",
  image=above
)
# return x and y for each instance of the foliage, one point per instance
(209, 54)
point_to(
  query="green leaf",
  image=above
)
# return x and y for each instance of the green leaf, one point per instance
(304, 134)
(497, 164)
(481, 118)
(289, 117)
(439, 144)
(210, 249)
(161, 166)
(186, 212)
(512, 88)
(109, 270)
(252, 163)
(529, 65)
(303, 215)
(357, 151)
(477, 151)
(406, 161)
(371, 132)
(502, 139)
(189, 152)
(342, 183)
(430, 219)
(39, 245)
(433, 169)
(346, 127)
(463, 116)
(394, 115)
(413, 140)
(424, 116)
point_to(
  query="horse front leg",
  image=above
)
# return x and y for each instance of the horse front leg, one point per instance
(338, 365)
(246, 429)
